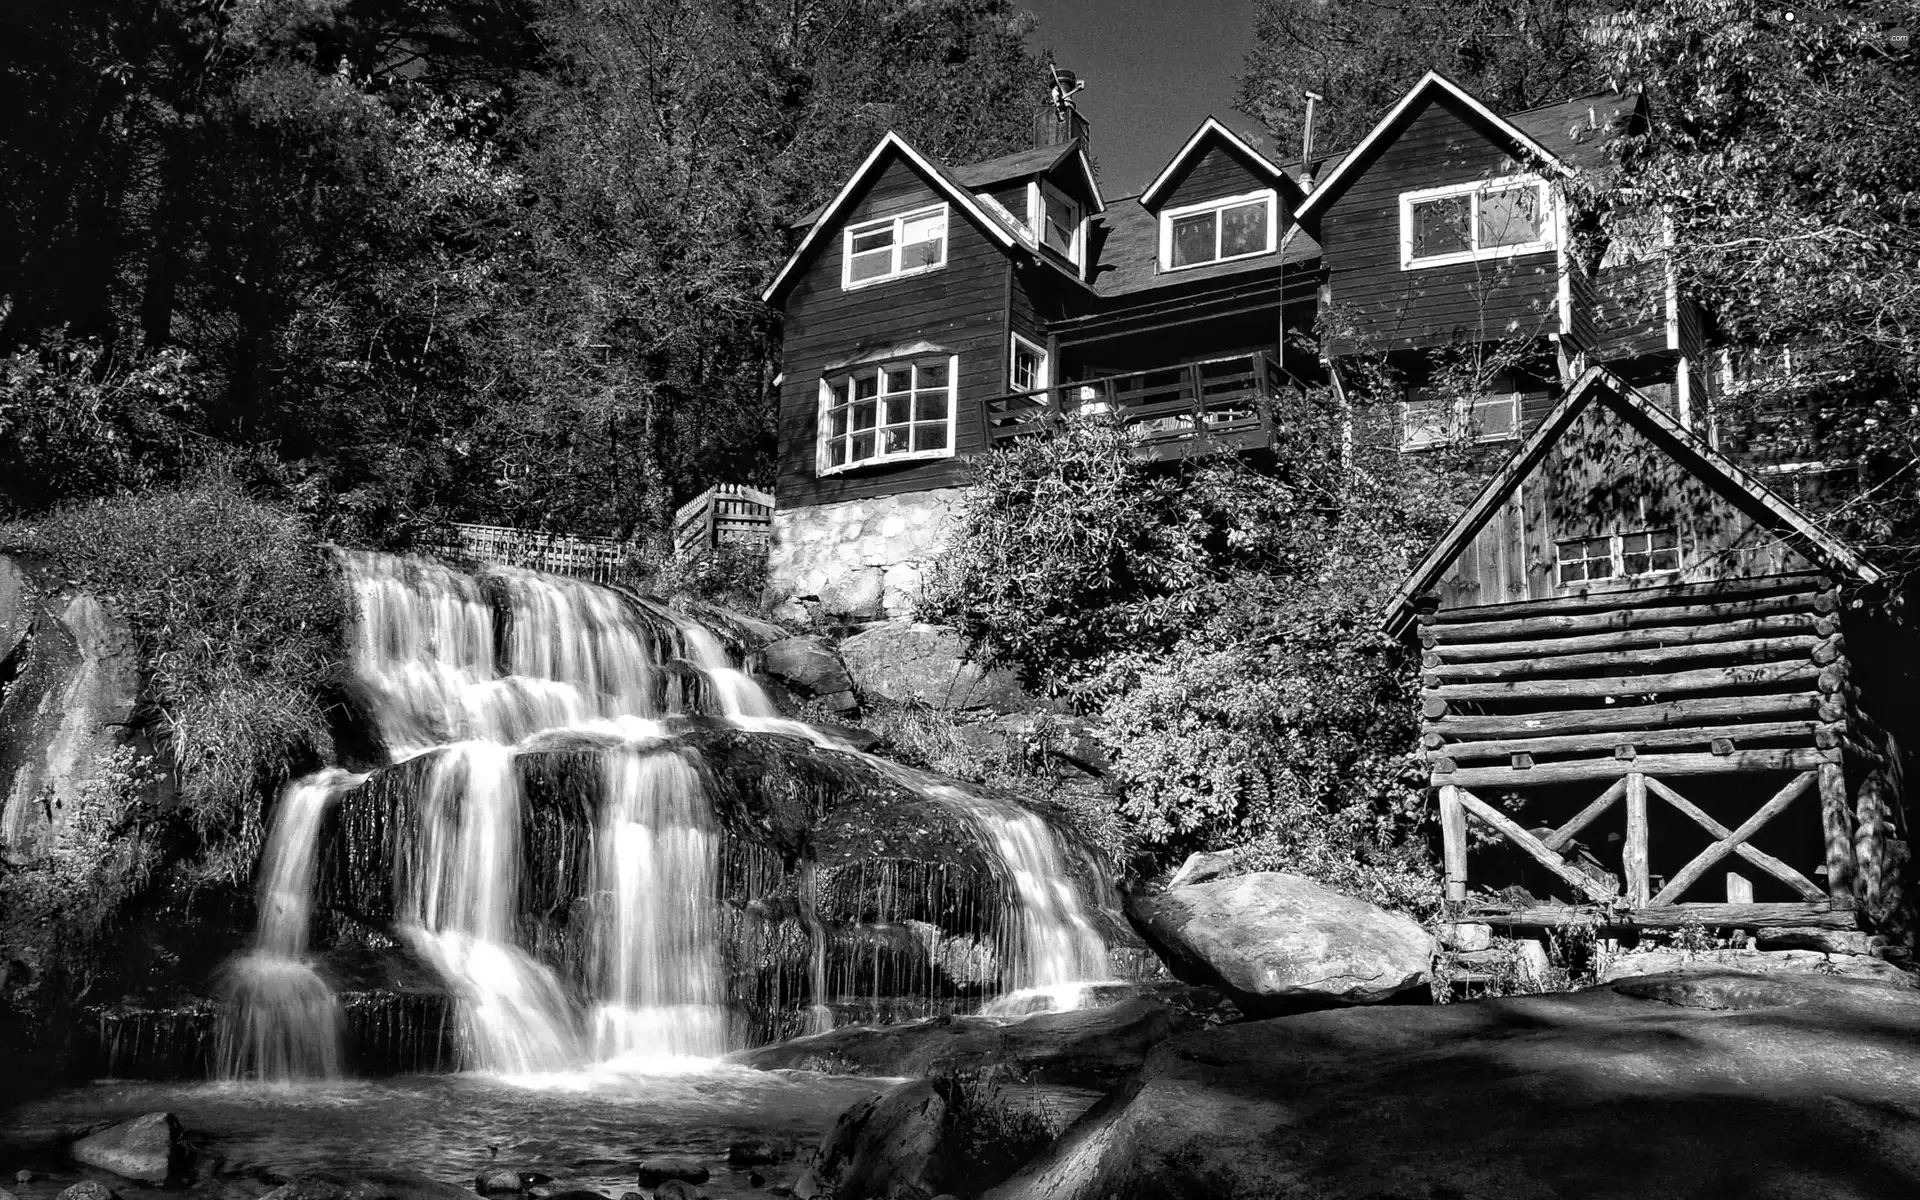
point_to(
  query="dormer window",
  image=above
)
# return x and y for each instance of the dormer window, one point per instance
(1492, 218)
(1195, 235)
(895, 246)
(1062, 222)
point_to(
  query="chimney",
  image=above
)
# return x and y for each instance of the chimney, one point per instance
(1058, 119)
(1306, 142)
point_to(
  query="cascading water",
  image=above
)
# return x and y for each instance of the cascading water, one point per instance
(574, 666)
(284, 1020)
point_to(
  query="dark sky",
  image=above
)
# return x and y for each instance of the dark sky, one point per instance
(1154, 69)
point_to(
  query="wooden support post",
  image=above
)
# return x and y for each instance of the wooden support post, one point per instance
(1634, 858)
(1739, 888)
(1869, 842)
(1453, 838)
(1837, 824)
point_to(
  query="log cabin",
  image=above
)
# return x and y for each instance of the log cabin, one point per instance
(1637, 677)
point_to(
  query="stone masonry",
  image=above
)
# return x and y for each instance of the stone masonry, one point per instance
(858, 559)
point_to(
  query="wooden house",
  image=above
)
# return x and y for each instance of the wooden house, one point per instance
(1651, 677)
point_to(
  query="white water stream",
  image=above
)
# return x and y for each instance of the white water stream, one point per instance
(575, 658)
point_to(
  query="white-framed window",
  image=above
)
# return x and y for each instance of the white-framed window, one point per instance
(1060, 220)
(1027, 367)
(1429, 420)
(1491, 218)
(1194, 235)
(890, 247)
(1635, 555)
(884, 412)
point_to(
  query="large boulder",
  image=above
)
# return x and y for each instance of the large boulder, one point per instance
(150, 1148)
(1777, 1087)
(1278, 943)
(915, 663)
(806, 666)
(885, 1144)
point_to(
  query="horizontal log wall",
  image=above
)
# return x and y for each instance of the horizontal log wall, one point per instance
(1686, 680)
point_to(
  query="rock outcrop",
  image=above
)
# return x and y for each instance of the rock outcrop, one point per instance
(1095, 1047)
(885, 1145)
(353, 1184)
(1687, 1086)
(915, 663)
(809, 669)
(1276, 943)
(1753, 962)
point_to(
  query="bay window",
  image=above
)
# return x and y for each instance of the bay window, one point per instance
(884, 412)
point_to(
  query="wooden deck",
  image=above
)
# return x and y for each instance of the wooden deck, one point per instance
(1180, 411)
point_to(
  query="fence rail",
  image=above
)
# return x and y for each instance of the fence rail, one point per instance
(727, 514)
(597, 558)
(1174, 410)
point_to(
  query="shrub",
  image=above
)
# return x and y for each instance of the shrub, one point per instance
(237, 612)
(1221, 620)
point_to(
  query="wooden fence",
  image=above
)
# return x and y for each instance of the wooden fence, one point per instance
(727, 514)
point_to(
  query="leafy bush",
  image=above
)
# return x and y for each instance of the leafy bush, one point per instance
(1222, 622)
(237, 612)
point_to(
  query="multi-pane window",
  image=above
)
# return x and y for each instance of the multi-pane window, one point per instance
(1430, 420)
(896, 246)
(1618, 556)
(1462, 222)
(1217, 231)
(1028, 371)
(1060, 222)
(887, 411)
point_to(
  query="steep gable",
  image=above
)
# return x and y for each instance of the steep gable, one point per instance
(1608, 461)
(1215, 162)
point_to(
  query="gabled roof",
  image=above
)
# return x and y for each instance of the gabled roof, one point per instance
(1600, 386)
(1024, 164)
(1578, 131)
(1212, 130)
(936, 175)
(1382, 135)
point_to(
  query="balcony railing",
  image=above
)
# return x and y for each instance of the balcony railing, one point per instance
(1191, 408)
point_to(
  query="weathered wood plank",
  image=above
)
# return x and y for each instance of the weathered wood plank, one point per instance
(1735, 841)
(1634, 853)
(1739, 888)
(1510, 830)
(1801, 647)
(1575, 620)
(1641, 739)
(1836, 823)
(1671, 765)
(1704, 679)
(1656, 634)
(1558, 839)
(1815, 913)
(1707, 594)
(1671, 713)
(1453, 838)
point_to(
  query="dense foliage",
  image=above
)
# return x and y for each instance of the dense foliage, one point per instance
(1221, 621)
(237, 617)
(490, 259)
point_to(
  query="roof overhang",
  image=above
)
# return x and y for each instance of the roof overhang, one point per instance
(1598, 385)
(1211, 128)
(939, 180)
(1382, 134)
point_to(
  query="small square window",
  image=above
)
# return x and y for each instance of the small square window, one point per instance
(1029, 366)
(1584, 560)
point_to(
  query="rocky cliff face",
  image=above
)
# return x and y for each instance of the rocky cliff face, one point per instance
(69, 685)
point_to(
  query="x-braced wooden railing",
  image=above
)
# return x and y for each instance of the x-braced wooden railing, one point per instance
(1457, 804)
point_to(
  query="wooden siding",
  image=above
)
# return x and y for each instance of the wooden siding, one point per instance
(961, 307)
(1395, 309)
(1593, 481)
(1218, 171)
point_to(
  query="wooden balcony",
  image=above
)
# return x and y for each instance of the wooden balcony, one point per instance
(1179, 411)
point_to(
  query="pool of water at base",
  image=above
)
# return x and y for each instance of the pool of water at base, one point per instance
(588, 1129)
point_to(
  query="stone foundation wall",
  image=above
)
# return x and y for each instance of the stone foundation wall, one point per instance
(858, 559)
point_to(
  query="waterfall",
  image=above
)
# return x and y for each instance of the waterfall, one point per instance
(614, 952)
(284, 1021)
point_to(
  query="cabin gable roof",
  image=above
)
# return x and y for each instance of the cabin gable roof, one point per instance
(1033, 164)
(1212, 133)
(1599, 386)
(890, 147)
(1432, 88)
